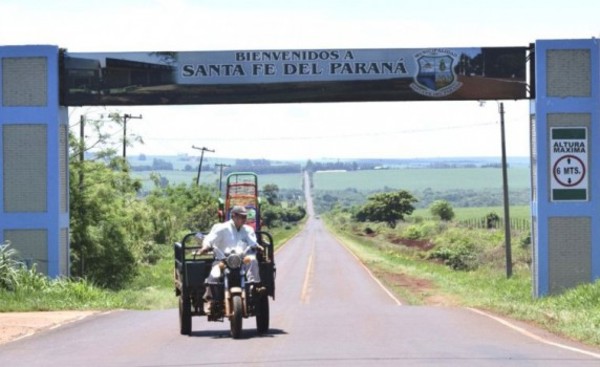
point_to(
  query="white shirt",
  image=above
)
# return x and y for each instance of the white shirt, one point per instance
(225, 235)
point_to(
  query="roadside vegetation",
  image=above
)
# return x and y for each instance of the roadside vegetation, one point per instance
(441, 261)
(120, 237)
(152, 287)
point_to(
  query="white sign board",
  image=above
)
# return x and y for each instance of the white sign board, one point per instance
(569, 163)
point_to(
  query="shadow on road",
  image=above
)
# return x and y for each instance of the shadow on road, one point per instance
(246, 334)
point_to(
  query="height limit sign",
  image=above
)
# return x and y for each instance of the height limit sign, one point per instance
(569, 163)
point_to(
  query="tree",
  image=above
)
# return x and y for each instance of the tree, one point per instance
(109, 225)
(442, 209)
(388, 207)
(492, 220)
(182, 209)
(293, 214)
(106, 224)
(161, 165)
(271, 192)
(270, 215)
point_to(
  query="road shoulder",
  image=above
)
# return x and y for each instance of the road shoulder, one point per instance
(18, 325)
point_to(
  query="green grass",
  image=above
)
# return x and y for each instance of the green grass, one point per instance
(61, 295)
(151, 289)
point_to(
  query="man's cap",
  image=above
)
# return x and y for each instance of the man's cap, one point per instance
(239, 210)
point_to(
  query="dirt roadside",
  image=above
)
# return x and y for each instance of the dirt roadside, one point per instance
(17, 325)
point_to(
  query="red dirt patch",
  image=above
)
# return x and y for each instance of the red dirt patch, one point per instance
(419, 244)
(421, 289)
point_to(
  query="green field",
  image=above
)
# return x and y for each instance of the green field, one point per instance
(422, 178)
(291, 181)
(176, 177)
(372, 180)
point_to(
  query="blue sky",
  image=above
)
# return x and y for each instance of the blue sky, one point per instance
(308, 130)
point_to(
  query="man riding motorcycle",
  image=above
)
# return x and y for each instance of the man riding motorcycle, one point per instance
(233, 233)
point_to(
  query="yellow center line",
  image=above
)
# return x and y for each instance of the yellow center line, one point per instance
(304, 296)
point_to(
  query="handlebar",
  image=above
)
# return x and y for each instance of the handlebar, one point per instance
(182, 248)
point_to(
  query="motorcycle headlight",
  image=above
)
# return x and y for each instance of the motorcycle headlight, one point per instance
(234, 261)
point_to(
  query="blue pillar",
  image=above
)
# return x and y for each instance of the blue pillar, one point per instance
(565, 183)
(34, 189)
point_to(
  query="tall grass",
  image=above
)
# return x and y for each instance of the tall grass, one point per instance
(23, 289)
(61, 294)
(9, 267)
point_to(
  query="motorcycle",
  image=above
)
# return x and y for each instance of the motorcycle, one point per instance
(231, 296)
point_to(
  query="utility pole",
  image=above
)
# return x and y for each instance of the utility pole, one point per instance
(507, 239)
(81, 187)
(125, 117)
(203, 149)
(221, 166)
(505, 191)
(81, 149)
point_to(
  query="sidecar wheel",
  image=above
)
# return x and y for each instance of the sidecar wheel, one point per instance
(262, 314)
(236, 318)
(185, 315)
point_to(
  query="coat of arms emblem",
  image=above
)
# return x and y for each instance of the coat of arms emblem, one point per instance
(435, 76)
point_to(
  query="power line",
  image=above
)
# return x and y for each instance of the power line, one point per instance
(337, 136)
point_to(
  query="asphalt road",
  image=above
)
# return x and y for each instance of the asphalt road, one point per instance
(329, 311)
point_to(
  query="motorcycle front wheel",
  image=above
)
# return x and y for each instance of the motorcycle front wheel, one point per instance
(236, 319)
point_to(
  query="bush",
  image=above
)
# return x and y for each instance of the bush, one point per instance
(492, 220)
(111, 262)
(14, 275)
(293, 214)
(460, 249)
(275, 215)
(422, 230)
(9, 267)
(461, 257)
(412, 232)
(369, 231)
(442, 209)
(525, 240)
